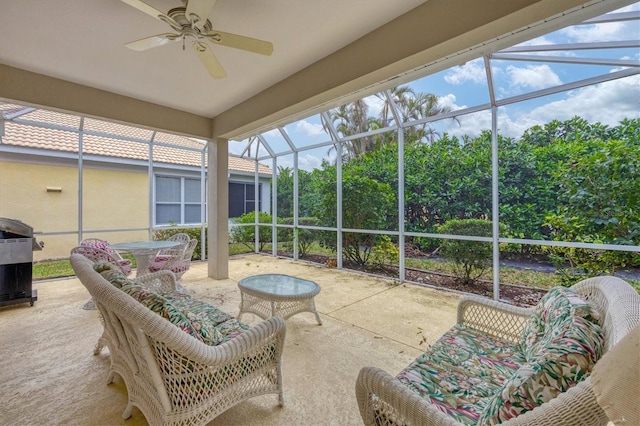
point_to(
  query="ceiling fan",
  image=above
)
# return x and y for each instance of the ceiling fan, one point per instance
(190, 23)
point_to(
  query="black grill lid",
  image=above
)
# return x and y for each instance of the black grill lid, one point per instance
(16, 227)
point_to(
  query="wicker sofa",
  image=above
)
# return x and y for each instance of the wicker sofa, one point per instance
(183, 362)
(513, 366)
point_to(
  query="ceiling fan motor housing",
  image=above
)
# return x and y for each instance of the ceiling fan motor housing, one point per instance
(187, 27)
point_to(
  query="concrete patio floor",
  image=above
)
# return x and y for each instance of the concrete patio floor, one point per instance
(49, 375)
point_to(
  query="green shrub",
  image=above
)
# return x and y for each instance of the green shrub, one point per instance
(385, 252)
(247, 234)
(470, 258)
(163, 234)
(306, 237)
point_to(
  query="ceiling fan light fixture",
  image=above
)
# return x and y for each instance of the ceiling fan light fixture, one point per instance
(191, 21)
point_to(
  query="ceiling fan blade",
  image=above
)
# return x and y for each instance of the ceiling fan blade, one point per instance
(198, 11)
(209, 60)
(153, 41)
(240, 42)
(151, 11)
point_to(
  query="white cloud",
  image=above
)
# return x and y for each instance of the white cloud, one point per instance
(310, 129)
(375, 105)
(545, 41)
(309, 162)
(607, 103)
(611, 31)
(449, 102)
(532, 76)
(306, 161)
(272, 133)
(472, 71)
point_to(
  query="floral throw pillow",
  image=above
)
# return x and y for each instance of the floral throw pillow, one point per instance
(162, 307)
(561, 362)
(113, 274)
(552, 310)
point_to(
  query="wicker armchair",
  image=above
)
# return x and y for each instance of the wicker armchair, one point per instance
(173, 378)
(166, 254)
(384, 400)
(102, 246)
(178, 263)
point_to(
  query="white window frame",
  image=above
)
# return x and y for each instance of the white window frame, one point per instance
(182, 203)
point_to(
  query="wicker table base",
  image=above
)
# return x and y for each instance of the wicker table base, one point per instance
(276, 295)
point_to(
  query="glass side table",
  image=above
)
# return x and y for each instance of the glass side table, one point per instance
(277, 295)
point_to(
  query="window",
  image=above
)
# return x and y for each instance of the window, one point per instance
(177, 201)
(242, 198)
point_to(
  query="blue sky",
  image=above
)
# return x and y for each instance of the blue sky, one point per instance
(465, 86)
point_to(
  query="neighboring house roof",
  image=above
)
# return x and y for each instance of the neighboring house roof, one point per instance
(41, 129)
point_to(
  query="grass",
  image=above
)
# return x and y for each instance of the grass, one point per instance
(60, 268)
(47, 269)
(523, 277)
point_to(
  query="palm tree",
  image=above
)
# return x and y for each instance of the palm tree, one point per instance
(351, 119)
(413, 106)
(400, 96)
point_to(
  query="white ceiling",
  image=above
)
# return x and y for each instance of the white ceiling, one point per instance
(83, 42)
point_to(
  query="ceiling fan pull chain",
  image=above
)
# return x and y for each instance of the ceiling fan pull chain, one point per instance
(183, 40)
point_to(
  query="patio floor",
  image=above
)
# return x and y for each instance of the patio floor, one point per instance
(48, 374)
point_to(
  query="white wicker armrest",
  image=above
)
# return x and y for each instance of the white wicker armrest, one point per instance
(575, 407)
(492, 317)
(394, 403)
(161, 282)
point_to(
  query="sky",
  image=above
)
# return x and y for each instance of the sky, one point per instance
(466, 86)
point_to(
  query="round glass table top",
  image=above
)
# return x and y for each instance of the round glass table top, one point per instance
(143, 245)
(279, 285)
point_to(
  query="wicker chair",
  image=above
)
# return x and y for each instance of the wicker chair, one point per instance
(103, 246)
(96, 254)
(179, 263)
(383, 400)
(166, 254)
(173, 378)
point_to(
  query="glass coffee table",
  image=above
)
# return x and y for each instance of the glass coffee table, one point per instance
(277, 295)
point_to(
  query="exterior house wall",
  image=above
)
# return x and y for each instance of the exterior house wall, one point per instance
(112, 199)
(24, 196)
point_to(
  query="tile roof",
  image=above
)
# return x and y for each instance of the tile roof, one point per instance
(26, 131)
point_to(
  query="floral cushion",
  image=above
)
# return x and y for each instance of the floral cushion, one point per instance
(214, 325)
(550, 312)
(161, 306)
(112, 274)
(563, 359)
(175, 267)
(462, 370)
(198, 319)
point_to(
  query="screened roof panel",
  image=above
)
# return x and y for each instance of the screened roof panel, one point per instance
(276, 141)
(51, 118)
(106, 127)
(456, 88)
(17, 134)
(618, 97)
(170, 139)
(308, 131)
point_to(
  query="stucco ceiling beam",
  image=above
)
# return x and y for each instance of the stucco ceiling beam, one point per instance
(55, 94)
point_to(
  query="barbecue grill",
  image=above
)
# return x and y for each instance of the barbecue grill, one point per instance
(16, 262)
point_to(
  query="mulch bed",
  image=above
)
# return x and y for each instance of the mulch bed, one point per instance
(514, 294)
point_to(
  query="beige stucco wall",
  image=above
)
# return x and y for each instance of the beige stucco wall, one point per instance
(111, 200)
(115, 199)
